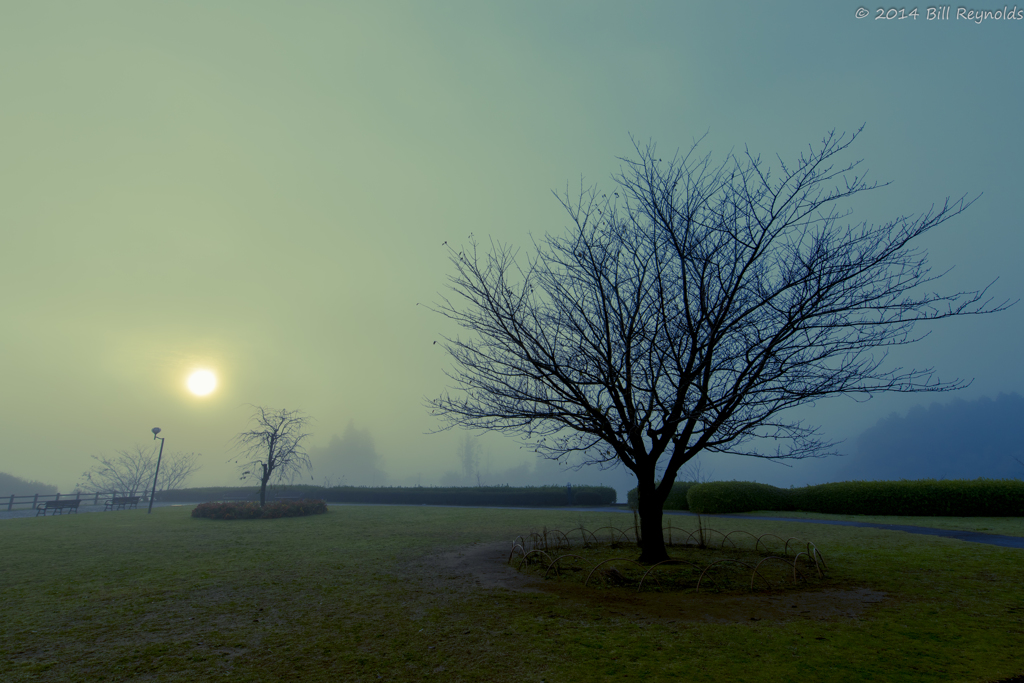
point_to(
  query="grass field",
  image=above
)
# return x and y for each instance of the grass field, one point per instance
(359, 594)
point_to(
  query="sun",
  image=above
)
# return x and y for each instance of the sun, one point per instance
(202, 382)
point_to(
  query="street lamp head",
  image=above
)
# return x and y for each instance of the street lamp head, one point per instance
(156, 430)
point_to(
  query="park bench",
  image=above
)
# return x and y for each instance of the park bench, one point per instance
(58, 506)
(121, 503)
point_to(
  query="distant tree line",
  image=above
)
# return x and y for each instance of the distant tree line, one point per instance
(955, 440)
(12, 485)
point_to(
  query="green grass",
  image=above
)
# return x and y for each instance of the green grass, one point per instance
(355, 595)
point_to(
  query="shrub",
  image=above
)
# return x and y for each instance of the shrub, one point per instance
(251, 510)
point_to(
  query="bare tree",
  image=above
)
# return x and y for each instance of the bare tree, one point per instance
(126, 473)
(177, 467)
(273, 447)
(693, 471)
(687, 311)
(131, 471)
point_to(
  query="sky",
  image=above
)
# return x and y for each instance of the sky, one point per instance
(262, 189)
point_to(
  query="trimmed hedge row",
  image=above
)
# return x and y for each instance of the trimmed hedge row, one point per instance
(484, 496)
(236, 494)
(922, 497)
(718, 497)
(498, 496)
(928, 497)
(676, 498)
(251, 510)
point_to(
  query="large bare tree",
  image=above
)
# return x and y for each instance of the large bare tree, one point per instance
(689, 310)
(273, 447)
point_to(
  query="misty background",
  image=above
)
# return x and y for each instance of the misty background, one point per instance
(264, 190)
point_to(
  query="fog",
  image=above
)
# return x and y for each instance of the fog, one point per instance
(263, 190)
(955, 440)
(352, 460)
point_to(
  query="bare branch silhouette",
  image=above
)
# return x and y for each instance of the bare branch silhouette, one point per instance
(273, 447)
(687, 311)
(131, 471)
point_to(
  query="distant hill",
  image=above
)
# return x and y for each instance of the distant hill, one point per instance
(955, 440)
(10, 484)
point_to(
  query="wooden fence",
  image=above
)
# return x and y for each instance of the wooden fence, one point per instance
(29, 502)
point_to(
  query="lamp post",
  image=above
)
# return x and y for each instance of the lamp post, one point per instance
(156, 430)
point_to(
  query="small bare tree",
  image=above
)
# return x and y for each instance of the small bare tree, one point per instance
(131, 471)
(126, 473)
(688, 311)
(176, 468)
(693, 471)
(273, 447)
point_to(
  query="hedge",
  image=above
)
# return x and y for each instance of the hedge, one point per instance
(922, 497)
(676, 497)
(252, 510)
(483, 496)
(926, 497)
(718, 497)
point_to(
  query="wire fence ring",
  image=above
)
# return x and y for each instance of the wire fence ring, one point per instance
(738, 531)
(614, 559)
(622, 534)
(583, 535)
(568, 545)
(784, 552)
(772, 557)
(526, 557)
(513, 551)
(557, 559)
(653, 566)
(716, 562)
(553, 539)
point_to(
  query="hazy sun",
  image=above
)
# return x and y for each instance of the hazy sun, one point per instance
(202, 382)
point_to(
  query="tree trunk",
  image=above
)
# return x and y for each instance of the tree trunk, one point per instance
(263, 485)
(652, 544)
